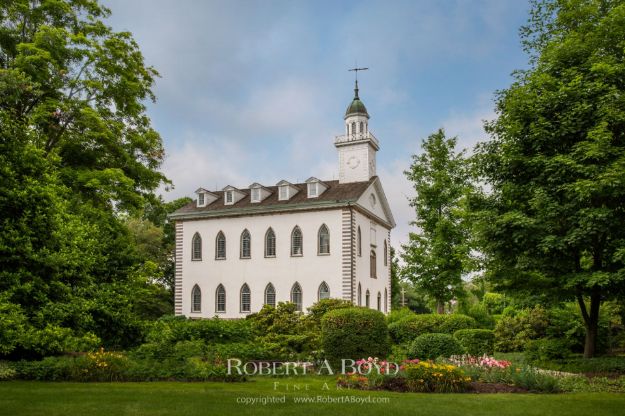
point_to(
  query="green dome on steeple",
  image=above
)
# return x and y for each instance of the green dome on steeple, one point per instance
(356, 107)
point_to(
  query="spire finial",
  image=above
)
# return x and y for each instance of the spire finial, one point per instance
(356, 69)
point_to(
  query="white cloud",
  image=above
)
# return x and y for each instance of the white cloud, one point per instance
(398, 192)
(469, 125)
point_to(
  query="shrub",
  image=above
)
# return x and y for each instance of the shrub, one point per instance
(399, 314)
(476, 341)
(494, 302)
(435, 378)
(218, 331)
(407, 329)
(6, 371)
(353, 333)
(431, 346)
(547, 350)
(410, 327)
(455, 322)
(512, 332)
(481, 316)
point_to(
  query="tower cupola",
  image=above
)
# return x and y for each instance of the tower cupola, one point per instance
(357, 147)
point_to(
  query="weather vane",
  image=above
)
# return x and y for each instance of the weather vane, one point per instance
(356, 71)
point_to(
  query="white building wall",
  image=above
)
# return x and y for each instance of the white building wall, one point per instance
(372, 240)
(309, 270)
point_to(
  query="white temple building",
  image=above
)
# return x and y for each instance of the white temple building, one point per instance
(240, 248)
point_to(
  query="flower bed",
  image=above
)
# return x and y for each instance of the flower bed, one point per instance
(454, 375)
(411, 375)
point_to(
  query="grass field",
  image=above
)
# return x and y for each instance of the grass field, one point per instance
(174, 398)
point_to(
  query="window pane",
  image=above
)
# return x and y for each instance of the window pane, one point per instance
(367, 296)
(296, 297)
(270, 295)
(197, 247)
(221, 299)
(270, 244)
(296, 242)
(245, 244)
(324, 291)
(196, 299)
(221, 246)
(373, 265)
(324, 240)
(284, 192)
(246, 301)
(200, 199)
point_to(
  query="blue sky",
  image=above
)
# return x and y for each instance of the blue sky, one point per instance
(255, 91)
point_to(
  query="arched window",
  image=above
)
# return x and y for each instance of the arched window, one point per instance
(353, 128)
(270, 243)
(379, 301)
(220, 299)
(270, 295)
(296, 296)
(296, 242)
(359, 295)
(324, 291)
(367, 298)
(374, 274)
(385, 301)
(362, 127)
(220, 246)
(385, 253)
(196, 299)
(196, 251)
(359, 241)
(246, 298)
(323, 240)
(246, 245)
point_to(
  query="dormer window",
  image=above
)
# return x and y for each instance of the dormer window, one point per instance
(204, 197)
(229, 197)
(255, 194)
(286, 190)
(315, 187)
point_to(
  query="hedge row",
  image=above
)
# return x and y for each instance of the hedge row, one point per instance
(407, 329)
(354, 333)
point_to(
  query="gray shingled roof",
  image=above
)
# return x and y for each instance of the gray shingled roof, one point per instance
(336, 195)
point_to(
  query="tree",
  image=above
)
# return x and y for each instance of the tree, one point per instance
(77, 154)
(395, 281)
(436, 253)
(80, 88)
(553, 221)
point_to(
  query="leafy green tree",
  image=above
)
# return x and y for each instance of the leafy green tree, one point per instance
(437, 251)
(77, 154)
(395, 281)
(553, 221)
(81, 89)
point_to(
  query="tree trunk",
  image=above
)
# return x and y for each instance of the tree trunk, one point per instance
(591, 321)
(440, 307)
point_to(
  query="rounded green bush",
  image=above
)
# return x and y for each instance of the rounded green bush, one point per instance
(545, 349)
(407, 329)
(476, 341)
(432, 346)
(456, 322)
(354, 333)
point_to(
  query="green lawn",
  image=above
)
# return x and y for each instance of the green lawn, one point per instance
(173, 398)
